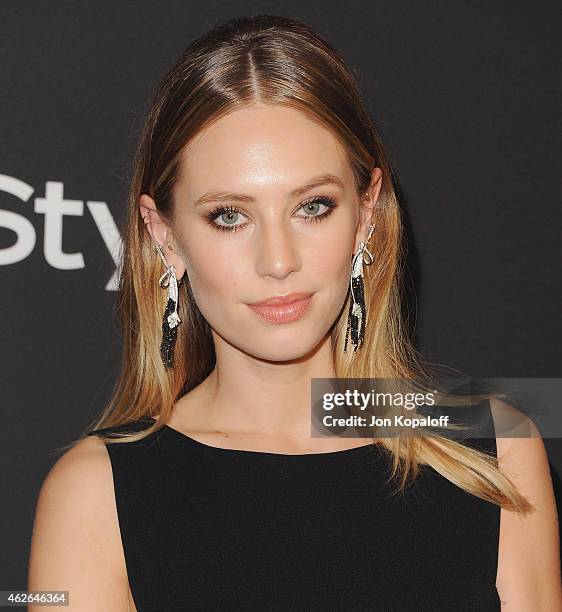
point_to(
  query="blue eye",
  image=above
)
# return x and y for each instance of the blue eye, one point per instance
(312, 206)
(230, 214)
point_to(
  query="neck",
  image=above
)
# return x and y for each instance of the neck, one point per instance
(244, 394)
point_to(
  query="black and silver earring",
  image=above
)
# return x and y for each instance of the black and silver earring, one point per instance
(171, 319)
(357, 317)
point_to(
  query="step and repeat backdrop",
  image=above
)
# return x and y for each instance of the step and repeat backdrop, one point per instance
(463, 95)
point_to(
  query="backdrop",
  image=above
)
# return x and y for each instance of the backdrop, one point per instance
(463, 94)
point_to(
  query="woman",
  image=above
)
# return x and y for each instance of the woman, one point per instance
(260, 188)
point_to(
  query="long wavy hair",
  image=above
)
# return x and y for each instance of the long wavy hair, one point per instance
(270, 59)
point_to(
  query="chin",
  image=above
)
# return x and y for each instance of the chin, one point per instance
(291, 348)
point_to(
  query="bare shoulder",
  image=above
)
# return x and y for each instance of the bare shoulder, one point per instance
(529, 549)
(76, 544)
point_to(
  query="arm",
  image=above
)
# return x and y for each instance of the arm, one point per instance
(529, 555)
(76, 542)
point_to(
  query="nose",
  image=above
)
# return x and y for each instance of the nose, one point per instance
(277, 253)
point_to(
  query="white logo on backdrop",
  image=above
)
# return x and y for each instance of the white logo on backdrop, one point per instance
(55, 207)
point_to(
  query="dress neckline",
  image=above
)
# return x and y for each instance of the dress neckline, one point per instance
(182, 437)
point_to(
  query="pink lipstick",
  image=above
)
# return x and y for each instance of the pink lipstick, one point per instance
(283, 308)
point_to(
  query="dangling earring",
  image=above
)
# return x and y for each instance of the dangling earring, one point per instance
(171, 319)
(357, 316)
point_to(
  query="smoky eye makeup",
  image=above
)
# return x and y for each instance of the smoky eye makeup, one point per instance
(230, 214)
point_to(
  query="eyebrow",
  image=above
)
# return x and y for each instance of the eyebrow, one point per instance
(317, 181)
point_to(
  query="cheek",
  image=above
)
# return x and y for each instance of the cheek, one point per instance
(333, 267)
(333, 264)
(214, 276)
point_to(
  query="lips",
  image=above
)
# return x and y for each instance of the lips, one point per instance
(283, 309)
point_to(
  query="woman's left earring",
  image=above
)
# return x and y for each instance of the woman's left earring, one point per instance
(171, 319)
(357, 316)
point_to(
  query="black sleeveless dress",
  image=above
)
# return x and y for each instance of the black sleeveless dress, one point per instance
(206, 528)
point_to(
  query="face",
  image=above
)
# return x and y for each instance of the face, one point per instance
(265, 206)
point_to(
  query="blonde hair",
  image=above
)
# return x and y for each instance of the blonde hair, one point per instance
(270, 60)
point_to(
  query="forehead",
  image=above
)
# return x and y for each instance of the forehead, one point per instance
(263, 146)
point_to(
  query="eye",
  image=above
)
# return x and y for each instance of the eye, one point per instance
(228, 215)
(311, 208)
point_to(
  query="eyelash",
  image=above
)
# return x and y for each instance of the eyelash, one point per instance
(327, 201)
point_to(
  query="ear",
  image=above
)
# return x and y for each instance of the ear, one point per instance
(367, 207)
(161, 233)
